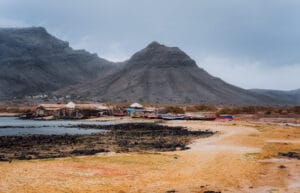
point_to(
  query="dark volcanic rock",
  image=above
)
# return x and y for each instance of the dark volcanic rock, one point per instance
(34, 62)
(282, 166)
(131, 137)
(210, 191)
(161, 74)
(294, 155)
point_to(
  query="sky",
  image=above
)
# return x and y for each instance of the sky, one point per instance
(248, 43)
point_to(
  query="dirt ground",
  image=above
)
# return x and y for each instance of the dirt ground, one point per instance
(242, 157)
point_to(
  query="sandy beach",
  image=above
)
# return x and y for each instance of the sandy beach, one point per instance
(242, 157)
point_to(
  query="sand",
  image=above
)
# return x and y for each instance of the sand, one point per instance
(242, 157)
(9, 114)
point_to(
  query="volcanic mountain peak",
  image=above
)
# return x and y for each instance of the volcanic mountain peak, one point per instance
(159, 55)
(155, 44)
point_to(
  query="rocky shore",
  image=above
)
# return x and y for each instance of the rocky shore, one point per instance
(131, 137)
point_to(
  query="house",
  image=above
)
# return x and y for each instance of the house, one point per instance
(72, 110)
(90, 110)
(79, 111)
(44, 110)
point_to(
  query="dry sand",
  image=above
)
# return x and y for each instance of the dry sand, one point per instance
(9, 114)
(242, 157)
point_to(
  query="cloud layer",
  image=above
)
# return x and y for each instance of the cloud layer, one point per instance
(253, 44)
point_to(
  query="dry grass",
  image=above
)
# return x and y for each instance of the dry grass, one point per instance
(271, 150)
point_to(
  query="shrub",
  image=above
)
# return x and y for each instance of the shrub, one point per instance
(196, 108)
(174, 109)
(296, 110)
(225, 110)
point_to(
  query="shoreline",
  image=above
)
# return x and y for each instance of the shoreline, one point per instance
(242, 157)
(126, 137)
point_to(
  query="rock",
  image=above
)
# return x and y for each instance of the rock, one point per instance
(87, 151)
(294, 155)
(282, 166)
(170, 191)
(129, 137)
(209, 191)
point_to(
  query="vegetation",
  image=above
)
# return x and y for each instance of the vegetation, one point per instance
(196, 108)
(266, 110)
(296, 110)
(174, 109)
(17, 109)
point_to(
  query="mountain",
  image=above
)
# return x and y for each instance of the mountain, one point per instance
(33, 62)
(288, 97)
(161, 74)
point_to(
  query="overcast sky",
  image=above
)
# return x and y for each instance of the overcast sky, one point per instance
(249, 43)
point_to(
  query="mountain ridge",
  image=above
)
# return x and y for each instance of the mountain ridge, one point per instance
(32, 62)
(290, 96)
(161, 74)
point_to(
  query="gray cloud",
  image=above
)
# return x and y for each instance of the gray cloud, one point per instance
(253, 44)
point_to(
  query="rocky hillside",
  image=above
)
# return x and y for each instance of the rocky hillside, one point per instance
(33, 62)
(289, 97)
(161, 74)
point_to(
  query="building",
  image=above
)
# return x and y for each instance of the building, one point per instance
(45, 110)
(72, 110)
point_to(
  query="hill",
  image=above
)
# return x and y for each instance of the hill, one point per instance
(32, 62)
(288, 97)
(161, 74)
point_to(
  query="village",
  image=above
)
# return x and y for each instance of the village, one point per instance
(72, 110)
